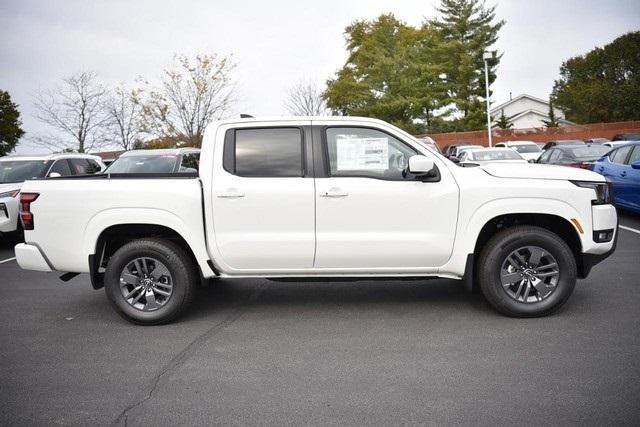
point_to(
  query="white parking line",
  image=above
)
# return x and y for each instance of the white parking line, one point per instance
(7, 260)
(633, 230)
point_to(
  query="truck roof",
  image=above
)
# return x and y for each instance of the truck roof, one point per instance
(299, 118)
(161, 151)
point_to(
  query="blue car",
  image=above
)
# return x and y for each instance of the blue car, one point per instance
(621, 167)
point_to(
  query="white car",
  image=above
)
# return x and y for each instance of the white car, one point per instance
(529, 150)
(321, 197)
(14, 170)
(171, 160)
(457, 152)
(484, 156)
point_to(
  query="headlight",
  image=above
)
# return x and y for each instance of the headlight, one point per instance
(604, 192)
(13, 193)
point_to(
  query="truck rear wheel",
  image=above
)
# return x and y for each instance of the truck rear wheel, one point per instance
(526, 271)
(150, 281)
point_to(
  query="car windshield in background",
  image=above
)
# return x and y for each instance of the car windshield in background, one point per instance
(593, 152)
(528, 148)
(21, 170)
(496, 155)
(164, 163)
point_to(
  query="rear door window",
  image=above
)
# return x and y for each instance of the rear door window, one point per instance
(81, 167)
(620, 155)
(268, 152)
(61, 167)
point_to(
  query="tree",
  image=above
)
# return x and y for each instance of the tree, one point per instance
(503, 121)
(553, 121)
(305, 99)
(468, 28)
(603, 85)
(192, 93)
(10, 124)
(75, 111)
(392, 73)
(124, 113)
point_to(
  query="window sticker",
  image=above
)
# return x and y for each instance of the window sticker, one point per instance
(362, 153)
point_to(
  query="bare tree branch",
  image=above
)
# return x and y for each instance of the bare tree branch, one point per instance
(191, 94)
(124, 113)
(75, 110)
(305, 99)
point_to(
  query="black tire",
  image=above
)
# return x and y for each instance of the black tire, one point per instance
(183, 272)
(496, 251)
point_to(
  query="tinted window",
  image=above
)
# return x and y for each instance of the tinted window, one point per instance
(81, 166)
(635, 156)
(275, 152)
(529, 148)
(595, 151)
(620, 155)
(545, 156)
(94, 166)
(61, 167)
(555, 155)
(190, 162)
(367, 153)
(21, 170)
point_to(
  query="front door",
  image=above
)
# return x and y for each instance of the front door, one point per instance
(371, 214)
(263, 200)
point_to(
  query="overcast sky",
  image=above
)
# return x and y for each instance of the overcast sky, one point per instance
(275, 43)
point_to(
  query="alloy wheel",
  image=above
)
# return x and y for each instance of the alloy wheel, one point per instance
(529, 274)
(146, 284)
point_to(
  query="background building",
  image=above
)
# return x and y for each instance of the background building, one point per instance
(526, 111)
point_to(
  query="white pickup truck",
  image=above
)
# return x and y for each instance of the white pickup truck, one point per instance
(308, 198)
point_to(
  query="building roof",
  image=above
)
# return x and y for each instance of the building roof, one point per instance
(499, 107)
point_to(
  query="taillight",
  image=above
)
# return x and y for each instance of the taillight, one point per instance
(25, 209)
(579, 165)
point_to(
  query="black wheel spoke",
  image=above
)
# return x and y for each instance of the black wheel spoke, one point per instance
(146, 284)
(529, 274)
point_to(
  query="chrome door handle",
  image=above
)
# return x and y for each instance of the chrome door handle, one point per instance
(334, 192)
(231, 193)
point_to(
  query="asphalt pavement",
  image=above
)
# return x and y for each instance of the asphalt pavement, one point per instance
(258, 352)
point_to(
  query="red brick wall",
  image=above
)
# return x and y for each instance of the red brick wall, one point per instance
(597, 130)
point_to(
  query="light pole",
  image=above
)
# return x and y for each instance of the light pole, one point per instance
(487, 56)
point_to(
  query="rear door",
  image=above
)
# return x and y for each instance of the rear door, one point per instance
(263, 199)
(617, 171)
(629, 187)
(371, 215)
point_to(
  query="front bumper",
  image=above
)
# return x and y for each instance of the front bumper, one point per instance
(603, 219)
(30, 257)
(8, 214)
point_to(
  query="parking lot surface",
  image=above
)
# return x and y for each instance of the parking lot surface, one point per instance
(261, 352)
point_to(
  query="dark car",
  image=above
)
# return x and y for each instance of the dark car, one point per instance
(621, 167)
(573, 155)
(627, 137)
(562, 142)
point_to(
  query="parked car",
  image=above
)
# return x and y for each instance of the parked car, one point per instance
(485, 156)
(14, 170)
(621, 167)
(429, 142)
(527, 149)
(375, 204)
(449, 150)
(597, 141)
(175, 160)
(455, 155)
(631, 136)
(562, 142)
(573, 155)
(614, 144)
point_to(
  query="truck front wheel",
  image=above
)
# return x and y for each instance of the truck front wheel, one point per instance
(150, 281)
(526, 271)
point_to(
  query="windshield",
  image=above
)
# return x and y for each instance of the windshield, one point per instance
(149, 163)
(489, 155)
(528, 148)
(21, 170)
(592, 152)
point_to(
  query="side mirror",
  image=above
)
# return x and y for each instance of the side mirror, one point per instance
(54, 175)
(454, 159)
(420, 165)
(532, 160)
(636, 164)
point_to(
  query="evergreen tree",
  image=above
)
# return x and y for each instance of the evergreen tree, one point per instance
(10, 124)
(553, 121)
(503, 122)
(468, 28)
